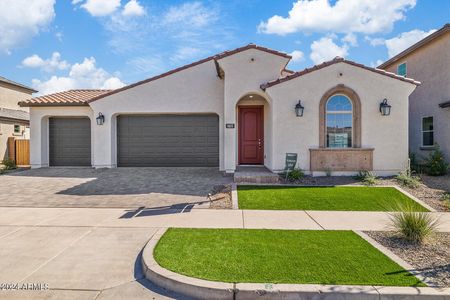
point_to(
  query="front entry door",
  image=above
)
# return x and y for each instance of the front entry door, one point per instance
(251, 135)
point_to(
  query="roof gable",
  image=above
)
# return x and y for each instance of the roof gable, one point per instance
(214, 57)
(332, 62)
(425, 41)
(16, 84)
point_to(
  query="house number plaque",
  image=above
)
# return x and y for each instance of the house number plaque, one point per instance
(229, 125)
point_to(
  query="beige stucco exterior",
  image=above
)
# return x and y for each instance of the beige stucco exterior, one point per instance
(10, 95)
(199, 89)
(429, 64)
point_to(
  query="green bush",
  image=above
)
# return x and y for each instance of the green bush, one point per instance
(412, 225)
(446, 200)
(367, 177)
(295, 174)
(406, 178)
(9, 164)
(436, 164)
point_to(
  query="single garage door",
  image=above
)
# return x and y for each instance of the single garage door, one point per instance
(70, 142)
(168, 141)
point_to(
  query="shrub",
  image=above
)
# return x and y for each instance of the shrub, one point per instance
(446, 200)
(9, 164)
(436, 164)
(406, 178)
(295, 174)
(412, 225)
(367, 177)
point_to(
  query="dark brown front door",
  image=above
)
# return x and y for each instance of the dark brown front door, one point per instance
(251, 135)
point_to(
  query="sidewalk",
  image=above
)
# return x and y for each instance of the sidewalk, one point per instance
(202, 218)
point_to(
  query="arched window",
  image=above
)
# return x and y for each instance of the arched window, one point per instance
(339, 122)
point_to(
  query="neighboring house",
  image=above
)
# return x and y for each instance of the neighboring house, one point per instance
(429, 106)
(234, 108)
(14, 120)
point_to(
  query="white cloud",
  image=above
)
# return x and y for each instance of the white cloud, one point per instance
(351, 39)
(363, 16)
(186, 53)
(404, 40)
(297, 56)
(133, 8)
(49, 65)
(375, 41)
(99, 8)
(190, 14)
(325, 49)
(20, 20)
(84, 75)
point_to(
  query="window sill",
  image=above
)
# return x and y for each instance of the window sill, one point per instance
(427, 148)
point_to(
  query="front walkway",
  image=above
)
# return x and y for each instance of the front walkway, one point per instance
(94, 253)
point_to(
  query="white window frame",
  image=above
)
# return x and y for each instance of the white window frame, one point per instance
(351, 112)
(406, 68)
(424, 131)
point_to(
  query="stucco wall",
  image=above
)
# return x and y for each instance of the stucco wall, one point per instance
(9, 97)
(387, 135)
(429, 64)
(194, 90)
(244, 73)
(39, 117)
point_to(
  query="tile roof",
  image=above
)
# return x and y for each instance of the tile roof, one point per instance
(419, 44)
(69, 98)
(332, 62)
(14, 114)
(8, 81)
(214, 57)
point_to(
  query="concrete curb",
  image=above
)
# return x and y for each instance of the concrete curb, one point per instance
(392, 256)
(234, 196)
(414, 198)
(204, 289)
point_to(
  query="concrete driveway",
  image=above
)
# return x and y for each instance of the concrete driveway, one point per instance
(108, 188)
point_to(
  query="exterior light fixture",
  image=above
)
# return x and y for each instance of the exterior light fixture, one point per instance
(100, 119)
(299, 109)
(385, 108)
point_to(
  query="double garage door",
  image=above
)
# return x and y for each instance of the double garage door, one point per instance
(168, 141)
(142, 141)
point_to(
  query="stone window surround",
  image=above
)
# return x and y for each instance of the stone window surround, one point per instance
(356, 103)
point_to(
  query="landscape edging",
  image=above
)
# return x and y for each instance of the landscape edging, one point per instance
(205, 289)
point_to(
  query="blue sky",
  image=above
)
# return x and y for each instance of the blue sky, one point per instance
(58, 45)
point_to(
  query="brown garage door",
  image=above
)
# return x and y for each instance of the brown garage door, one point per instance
(70, 142)
(168, 141)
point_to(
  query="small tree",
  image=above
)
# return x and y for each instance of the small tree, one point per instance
(436, 164)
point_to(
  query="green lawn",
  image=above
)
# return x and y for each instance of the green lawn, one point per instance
(323, 198)
(278, 256)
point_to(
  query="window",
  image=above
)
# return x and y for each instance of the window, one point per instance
(427, 132)
(17, 129)
(339, 122)
(401, 69)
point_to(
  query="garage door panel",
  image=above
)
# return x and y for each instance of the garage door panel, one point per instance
(168, 140)
(69, 142)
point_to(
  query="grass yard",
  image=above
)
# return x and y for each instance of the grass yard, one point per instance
(324, 198)
(278, 256)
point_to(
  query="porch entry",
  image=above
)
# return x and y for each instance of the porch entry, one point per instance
(251, 135)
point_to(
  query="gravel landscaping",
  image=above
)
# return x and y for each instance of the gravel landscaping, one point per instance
(432, 258)
(220, 197)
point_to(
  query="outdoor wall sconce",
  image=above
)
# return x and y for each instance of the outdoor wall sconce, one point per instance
(299, 109)
(385, 108)
(100, 119)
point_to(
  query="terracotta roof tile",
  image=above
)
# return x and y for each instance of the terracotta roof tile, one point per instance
(332, 62)
(214, 57)
(69, 98)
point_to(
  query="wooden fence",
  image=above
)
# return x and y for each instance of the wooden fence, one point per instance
(19, 151)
